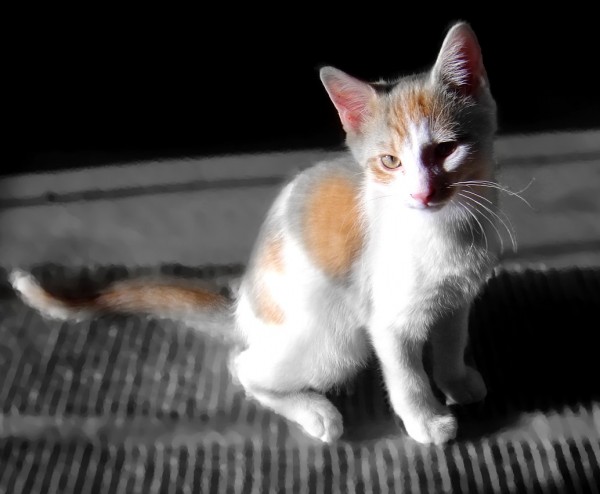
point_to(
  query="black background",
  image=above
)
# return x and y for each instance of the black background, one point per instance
(97, 86)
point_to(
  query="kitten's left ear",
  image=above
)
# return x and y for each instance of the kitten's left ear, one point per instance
(459, 63)
(352, 98)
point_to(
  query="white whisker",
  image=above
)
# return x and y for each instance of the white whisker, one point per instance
(510, 231)
(462, 206)
(495, 185)
(506, 217)
(490, 220)
(526, 187)
(467, 209)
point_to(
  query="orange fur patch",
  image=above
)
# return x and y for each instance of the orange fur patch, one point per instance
(410, 106)
(270, 259)
(267, 309)
(379, 173)
(332, 229)
(419, 103)
(149, 296)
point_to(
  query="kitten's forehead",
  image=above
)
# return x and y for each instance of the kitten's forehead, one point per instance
(415, 103)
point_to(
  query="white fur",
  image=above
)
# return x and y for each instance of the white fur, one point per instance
(417, 271)
(414, 282)
(28, 287)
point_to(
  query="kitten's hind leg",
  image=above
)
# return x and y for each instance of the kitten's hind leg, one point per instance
(460, 383)
(277, 390)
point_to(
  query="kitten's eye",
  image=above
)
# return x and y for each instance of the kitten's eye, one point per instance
(390, 161)
(444, 149)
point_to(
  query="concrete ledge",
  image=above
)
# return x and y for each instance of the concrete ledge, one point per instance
(208, 210)
(511, 150)
(516, 149)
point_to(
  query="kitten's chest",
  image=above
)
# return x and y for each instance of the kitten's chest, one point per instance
(418, 258)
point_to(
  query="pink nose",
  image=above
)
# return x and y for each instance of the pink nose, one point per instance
(424, 196)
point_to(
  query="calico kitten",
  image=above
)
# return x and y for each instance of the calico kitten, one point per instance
(377, 250)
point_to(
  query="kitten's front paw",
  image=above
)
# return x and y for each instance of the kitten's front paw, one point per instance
(321, 420)
(469, 388)
(436, 429)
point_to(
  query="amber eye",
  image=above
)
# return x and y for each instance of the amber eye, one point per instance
(390, 161)
(444, 149)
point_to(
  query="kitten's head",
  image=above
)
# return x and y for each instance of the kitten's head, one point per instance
(419, 135)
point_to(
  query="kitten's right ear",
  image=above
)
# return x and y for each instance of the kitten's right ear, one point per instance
(352, 98)
(459, 63)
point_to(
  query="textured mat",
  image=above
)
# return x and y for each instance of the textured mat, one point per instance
(129, 404)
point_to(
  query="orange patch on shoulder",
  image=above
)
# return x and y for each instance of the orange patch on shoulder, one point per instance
(270, 259)
(379, 173)
(268, 309)
(332, 225)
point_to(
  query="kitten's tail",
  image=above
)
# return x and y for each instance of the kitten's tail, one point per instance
(172, 299)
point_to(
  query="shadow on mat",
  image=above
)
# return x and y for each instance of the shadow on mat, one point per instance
(534, 337)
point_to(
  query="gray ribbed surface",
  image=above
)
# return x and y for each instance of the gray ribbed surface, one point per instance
(125, 405)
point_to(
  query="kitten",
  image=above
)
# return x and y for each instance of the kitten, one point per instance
(377, 250)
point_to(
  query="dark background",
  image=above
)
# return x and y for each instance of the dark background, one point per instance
(99, 87)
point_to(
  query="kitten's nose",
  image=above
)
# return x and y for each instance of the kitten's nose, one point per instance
(424, 196)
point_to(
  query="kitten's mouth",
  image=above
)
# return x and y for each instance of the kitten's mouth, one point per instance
(431, 207)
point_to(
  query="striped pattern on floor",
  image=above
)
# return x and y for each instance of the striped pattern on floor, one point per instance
(129, 404)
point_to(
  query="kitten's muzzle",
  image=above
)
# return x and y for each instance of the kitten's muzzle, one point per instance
(432, 197)
(425, 196)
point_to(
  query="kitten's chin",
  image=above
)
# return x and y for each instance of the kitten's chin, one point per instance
(428, 208)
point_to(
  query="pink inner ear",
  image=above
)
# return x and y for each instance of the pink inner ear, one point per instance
(460, 62)
(351, 97)
(472, 64)
(350, 108)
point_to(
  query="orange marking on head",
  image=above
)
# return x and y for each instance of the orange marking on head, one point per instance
(332, 225)
(410, 106)
(379, 173)
(398, 124)
(419, 104)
